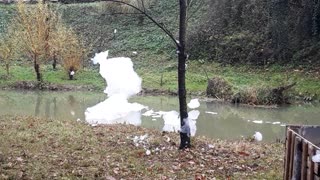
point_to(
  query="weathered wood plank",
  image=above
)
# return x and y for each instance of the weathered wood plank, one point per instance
(287, 156)
(304, 164)
(292, 145)
(316, 169)
(297, 159)
(310, 163)
(316, 165)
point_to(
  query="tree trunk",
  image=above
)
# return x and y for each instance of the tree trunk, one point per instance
(185, 128)
(37, 68)
(7, 69)
(71, 69)
(54, 63)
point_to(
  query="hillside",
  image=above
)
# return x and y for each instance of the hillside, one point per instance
(238, 53)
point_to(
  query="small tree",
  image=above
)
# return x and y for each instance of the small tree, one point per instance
(7, 49)
(33, 26)
(68, 47)
(119, 8)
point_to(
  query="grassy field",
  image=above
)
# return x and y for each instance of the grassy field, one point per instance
(34, 148)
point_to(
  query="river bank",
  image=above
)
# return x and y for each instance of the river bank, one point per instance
(160, 77)
(49, 148)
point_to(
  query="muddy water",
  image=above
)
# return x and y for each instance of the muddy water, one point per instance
(216, 120)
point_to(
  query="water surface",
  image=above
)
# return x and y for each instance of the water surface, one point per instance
(216, 120)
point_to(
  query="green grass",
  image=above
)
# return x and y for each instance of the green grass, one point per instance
(84, 77)
(6, 12)
(152, 67)
(240, 77)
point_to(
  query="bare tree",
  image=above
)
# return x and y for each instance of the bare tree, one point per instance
(33, 25)
(182, 58)
(7, 48)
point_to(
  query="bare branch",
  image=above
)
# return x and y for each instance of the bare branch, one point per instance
(150, 18)
(197, 7)
(142, 3)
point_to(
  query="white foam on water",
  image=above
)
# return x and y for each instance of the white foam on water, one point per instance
(172, 122)
(213, 113)
(122, 83)
(257, 121)
(148, 113)
(194, 114)
(276, 123)
(194, 103)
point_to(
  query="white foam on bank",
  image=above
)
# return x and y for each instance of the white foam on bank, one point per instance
(257, 136)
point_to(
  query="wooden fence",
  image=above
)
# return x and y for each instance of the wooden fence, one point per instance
(302, 142)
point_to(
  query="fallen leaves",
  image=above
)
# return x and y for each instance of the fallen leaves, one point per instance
(71, 150)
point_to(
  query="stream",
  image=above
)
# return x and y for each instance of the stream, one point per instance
(216, 119)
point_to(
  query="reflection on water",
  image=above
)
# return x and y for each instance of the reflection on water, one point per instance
(113, 110)
(215, 120)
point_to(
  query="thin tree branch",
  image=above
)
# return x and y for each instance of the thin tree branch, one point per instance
(196, 9)
(142, 3)
(117, 13)
(150, 18)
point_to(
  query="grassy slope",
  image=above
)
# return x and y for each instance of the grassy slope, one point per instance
(156, 56)
(33, 148)
(240, 77)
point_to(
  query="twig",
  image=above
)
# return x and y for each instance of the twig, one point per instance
(150, 18)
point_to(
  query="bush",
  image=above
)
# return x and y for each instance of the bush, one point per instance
(219, 88)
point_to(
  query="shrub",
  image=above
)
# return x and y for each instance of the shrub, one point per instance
(68, 48)
(219, 88)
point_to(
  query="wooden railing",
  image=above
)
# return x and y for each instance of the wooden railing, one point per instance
(302, 142)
